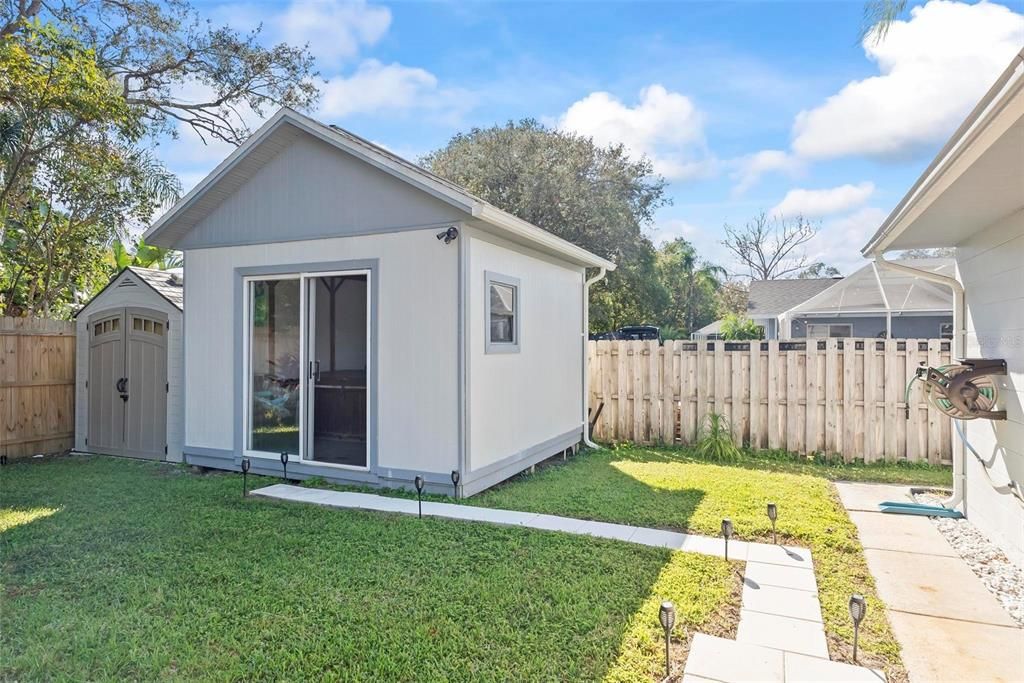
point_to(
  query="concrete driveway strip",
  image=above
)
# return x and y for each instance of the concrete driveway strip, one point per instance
(949, 626)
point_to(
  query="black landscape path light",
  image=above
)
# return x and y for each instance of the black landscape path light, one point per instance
(858, 609)
(726, 534)
(455, 482)
(667, 617)
(418, 481)
(773, 514)
(246, 464)
(284, 464)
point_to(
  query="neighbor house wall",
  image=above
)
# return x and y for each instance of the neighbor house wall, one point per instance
(417, 348)
(991, 267)
(523, 406)
(903, 326)
(139, 296)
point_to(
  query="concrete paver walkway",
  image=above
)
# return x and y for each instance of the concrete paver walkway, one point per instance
(949, 626)
(780, 636)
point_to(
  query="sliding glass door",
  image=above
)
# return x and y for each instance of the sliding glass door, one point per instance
(308, 354)
(337, 306)
(275, 371)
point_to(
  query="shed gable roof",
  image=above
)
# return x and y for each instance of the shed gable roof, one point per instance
(769, 298)
(164, 283)
(285, 127)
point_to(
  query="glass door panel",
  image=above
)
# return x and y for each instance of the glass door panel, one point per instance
(338, 359)
(274, 366)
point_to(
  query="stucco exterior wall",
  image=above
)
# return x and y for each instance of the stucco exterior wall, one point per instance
(523, 405)
(991, 267)
(903, 326)
(417, 345)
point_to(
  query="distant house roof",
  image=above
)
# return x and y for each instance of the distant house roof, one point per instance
(769, 298)
(874, 290)
(711, 330)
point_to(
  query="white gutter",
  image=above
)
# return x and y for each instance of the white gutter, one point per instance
(586, 375)
(956, 351)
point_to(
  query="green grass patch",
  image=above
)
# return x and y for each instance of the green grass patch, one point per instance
(121, 570)
(668, 488)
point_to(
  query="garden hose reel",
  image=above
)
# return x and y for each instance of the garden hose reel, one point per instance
(965, 390)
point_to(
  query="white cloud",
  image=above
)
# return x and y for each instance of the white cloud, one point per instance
(670, 229)
(933, 68)
(838, 241)
(817, 203)
(665, 126)
(751, 167)
(334, 29)
(375, 87)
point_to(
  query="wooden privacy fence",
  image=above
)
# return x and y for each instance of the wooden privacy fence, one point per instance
(832, 396)
(37, 386)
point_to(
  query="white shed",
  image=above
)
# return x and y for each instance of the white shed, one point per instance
(371, 320)
(129, 384)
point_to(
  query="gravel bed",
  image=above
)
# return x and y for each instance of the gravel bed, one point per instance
(1002, 577)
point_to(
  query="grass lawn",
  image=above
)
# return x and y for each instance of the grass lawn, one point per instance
(670, 489)
(114, 569)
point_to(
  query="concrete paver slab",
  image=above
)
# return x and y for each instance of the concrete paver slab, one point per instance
(706, 545)
(933, 585)
(936, 649)
(804, 669)
(619, 532)
(556, 523)
(866, 497)
(728, 660)
(782, 633)
(785, 602)
(762, 574)
(659, 538)
(900, 532)
(778, 554)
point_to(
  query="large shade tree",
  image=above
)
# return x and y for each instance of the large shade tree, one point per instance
(596, 197)
(86, 89)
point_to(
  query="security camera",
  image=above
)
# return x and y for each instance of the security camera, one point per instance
(448, 235)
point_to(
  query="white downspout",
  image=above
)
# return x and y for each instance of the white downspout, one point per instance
(956, 351)
(586, 374)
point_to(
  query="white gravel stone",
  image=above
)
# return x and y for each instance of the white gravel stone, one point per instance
(1002, 577)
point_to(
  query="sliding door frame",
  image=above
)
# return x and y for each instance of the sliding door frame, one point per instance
(304, 273)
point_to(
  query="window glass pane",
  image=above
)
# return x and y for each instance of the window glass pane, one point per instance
(148, 325)
(158, 328)
(106, 326)
(98, 329)
(274, 366)
(840, 331)
(116, 324)
(137, 324)
(503, 307)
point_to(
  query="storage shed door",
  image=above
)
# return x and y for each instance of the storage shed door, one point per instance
(128, 383)
(106, 370)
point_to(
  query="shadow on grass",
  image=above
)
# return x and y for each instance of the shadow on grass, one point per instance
(149, 576)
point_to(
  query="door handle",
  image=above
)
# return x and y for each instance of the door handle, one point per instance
(316, 371)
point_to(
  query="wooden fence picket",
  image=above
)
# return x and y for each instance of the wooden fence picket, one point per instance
(844, 398)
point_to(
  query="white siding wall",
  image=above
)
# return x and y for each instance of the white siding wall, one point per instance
(520, 400)
(418, 344)
(141, 296)
(991, 266)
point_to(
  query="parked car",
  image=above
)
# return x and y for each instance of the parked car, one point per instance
(640, 333)
(603, 336)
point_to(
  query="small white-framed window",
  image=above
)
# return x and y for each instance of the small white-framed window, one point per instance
(503, 299)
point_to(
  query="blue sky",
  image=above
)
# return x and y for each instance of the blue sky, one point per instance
(743, 106)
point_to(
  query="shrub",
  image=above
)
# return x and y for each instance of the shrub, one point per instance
(714, 441)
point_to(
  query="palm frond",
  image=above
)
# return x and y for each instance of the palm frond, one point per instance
(878, 18)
